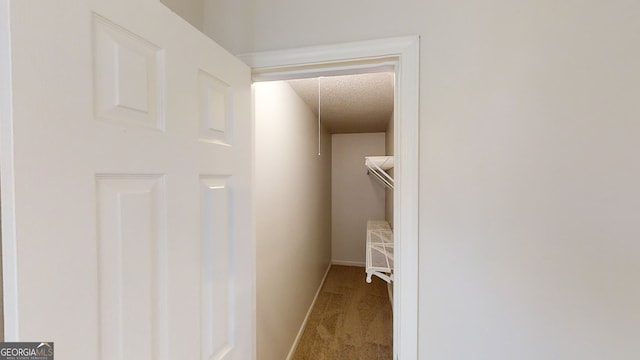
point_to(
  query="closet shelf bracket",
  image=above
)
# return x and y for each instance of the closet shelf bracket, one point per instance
(377, 165)
(379, 250)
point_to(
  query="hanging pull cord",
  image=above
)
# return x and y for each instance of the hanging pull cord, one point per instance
(319, 98)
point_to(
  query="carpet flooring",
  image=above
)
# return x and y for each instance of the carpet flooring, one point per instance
(351, 320)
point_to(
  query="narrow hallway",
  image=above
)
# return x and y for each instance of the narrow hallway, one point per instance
(351, 319)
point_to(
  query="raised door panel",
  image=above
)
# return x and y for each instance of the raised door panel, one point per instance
(128, 76)
(215, 105)
(217, 281)
(132, 263)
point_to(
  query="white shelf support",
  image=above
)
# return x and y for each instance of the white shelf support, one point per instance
(377, 166)
(379, 250)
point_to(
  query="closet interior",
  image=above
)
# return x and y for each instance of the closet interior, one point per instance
(340, 104)
(324, 175)
(379, 244)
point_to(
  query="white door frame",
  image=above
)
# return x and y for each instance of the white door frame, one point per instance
(402, 56)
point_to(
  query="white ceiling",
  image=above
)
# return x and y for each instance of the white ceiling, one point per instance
(351, 103)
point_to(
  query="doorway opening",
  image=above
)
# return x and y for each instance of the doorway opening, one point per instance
(400, 55)
(314, 200)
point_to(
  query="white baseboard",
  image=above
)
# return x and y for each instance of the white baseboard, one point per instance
(306, 318)
(348, 263)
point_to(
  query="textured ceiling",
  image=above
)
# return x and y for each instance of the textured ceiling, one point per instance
(351, 103)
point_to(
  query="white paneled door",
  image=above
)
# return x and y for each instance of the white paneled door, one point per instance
(126, 184)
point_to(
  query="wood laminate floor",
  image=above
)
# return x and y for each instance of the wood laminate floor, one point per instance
(351, 320)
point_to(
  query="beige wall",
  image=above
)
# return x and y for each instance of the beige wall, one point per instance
(1, 288)
(230, 18)
(389, 150)
(529, 166)
(190, 10)
(356, 197)
(293, 215)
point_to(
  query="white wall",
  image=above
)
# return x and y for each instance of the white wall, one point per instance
(190, 10)
(356, 197)
(529, 166)
(293, 215)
